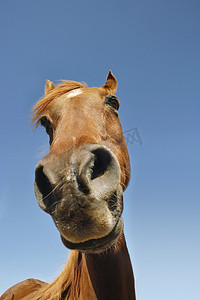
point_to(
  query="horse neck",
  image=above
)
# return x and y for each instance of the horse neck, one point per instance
(107, 276)
(104, 276)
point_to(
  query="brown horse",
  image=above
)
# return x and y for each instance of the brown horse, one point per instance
(80, 183)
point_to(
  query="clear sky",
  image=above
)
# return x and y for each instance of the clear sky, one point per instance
(153, 48)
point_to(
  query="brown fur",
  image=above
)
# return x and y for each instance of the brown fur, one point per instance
(67, 280)
(61, 89)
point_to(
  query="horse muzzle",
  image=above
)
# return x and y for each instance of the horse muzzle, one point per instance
(82, 193)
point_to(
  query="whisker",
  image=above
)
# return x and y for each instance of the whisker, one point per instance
(52, 191)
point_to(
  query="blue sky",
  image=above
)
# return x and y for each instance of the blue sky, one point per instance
(153, 49)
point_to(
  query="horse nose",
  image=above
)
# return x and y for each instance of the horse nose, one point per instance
(96, 169)
(89, 170)
(88, 164)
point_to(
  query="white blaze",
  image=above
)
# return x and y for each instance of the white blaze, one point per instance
(74, 93)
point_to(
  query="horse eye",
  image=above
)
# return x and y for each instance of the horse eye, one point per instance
(112, 101)
(47, 125)
(45, 122)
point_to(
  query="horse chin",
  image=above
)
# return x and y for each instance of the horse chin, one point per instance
(96, 245)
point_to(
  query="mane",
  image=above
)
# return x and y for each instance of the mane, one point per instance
(62, 88)
(67, 285)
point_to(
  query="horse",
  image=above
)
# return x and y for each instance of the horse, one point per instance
(80, 184)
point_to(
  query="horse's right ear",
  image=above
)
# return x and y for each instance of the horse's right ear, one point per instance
(111, 83)
(48, 86)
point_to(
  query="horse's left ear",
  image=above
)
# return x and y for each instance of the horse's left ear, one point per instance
(111, 83)
(48, 86)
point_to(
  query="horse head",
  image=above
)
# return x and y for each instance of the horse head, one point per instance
(80, 182)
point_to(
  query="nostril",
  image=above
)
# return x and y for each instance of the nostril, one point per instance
(42, 181)
(101, 162)
(44, 187)
(82, 185)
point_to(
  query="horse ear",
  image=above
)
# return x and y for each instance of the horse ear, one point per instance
(48, 86)
(111, 83)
